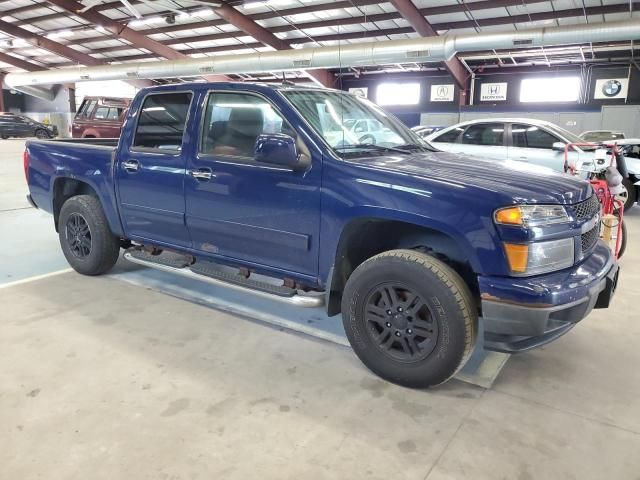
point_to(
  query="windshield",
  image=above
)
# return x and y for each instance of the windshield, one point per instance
(352, 125)
(570, 137)
(601, 136)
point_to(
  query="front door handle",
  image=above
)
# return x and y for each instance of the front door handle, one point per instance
(201, 174)
(131, 165)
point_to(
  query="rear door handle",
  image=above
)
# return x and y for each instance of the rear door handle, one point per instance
(201, 174)
(131, 165)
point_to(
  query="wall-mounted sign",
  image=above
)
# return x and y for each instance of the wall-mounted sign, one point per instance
(607, 88)
(360, 91)
(493, 92)
(442, 93)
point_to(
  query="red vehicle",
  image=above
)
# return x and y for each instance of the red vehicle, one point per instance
(99, 117)
(605, 176)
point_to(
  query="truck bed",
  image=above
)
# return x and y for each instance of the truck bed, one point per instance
(53, 163)
(106, 142)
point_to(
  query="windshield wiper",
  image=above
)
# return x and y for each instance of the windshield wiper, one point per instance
(371, 146)
(411, 146)
(416, 146)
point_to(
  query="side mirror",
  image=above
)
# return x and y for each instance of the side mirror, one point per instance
(558, 147)
(276, 149)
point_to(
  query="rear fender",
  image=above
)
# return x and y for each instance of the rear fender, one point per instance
(64, 187)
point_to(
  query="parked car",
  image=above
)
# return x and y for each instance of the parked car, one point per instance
(424, 131)
(630, 147)
(99, 117)
(601, 135)
(361, 130)
(525, 140)
(16, 125)
(245, 185)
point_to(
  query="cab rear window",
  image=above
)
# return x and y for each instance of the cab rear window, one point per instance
(162, 121)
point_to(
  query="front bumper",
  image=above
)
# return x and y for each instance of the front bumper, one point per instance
(519, 314)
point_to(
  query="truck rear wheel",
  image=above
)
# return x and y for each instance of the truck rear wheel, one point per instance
(85, 237)
(409, 317)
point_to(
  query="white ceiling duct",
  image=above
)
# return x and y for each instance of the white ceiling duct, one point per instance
(39, 92)
(419, 50)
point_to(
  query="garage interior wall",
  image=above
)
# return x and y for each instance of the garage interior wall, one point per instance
(111, 88)
(587, 114)
(56, 112)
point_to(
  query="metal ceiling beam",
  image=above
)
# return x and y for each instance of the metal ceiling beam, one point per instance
(391, 52)
(48, 44)
(57, 48)
(119, 30)
(19, 63)
(261, 34)
(416, 19)
(600, 10)
(364, 19)
(259, 16)
(319, 7)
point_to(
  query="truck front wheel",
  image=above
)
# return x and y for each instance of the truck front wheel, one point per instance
(409, 317)
(85, 237)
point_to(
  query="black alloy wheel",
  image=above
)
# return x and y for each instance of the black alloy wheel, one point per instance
(78, 235)
(400, 323)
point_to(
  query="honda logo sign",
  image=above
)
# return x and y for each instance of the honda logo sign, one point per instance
(493, 92)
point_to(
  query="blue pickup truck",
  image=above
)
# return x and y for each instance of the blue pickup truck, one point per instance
(318, 197)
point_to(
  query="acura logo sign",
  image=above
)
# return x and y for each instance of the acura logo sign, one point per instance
(442, 93)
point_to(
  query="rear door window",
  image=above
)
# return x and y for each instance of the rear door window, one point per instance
(530, 136)
(162, 121)
(101, 113)
(87, 110)
(486, 134)
(113, 114)
(449, 137)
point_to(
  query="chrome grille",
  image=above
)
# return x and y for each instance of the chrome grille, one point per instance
(590, 238)
(587, 209)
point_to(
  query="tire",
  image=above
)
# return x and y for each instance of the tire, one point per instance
(4, 137)
(623, 240)
(435, 339)
(85, 237)
(631, 195)
(40, 133)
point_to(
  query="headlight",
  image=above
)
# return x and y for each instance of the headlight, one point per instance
(531, 215)
(539, 257)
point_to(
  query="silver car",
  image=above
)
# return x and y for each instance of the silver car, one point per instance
(525, 140)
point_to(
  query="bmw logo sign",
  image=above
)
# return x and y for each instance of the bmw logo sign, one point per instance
(611, 88)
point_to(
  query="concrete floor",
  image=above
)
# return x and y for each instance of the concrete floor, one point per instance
(103, 379)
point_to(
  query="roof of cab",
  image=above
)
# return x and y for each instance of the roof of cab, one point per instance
(236, 85)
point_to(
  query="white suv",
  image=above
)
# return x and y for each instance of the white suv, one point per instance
(525, 140)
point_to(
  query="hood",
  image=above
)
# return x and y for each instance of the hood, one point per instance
(523, 183)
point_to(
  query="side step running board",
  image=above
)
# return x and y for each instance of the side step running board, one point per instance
(214, 274)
